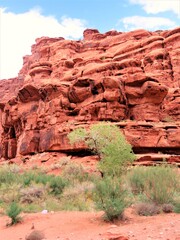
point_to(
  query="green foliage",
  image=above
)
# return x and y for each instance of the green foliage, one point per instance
(135, 178)
(111, 198)
(106, 140)
(36, 176)
(13, 212)
(115, 154)
(57, 185)
(8, 175)
(78, 135)
(177, 207)
(34, 190)
(159, 183)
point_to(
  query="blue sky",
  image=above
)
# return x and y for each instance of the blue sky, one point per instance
(22, 21)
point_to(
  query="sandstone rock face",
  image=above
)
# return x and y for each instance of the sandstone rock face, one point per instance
(131, 79)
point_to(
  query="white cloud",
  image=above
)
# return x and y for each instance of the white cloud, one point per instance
(148, 23)
(156, 6)
(19, 31)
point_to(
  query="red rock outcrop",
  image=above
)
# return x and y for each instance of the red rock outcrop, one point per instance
(131, 79)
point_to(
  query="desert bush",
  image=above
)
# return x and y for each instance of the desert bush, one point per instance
(147, 209)
(158, 183)
(74, 172)
(167, 208)
(9, 192)
(30, 194)
(75, 190)
(106, 140)
(43, 178)
(161, 184)
(28, 178)
(13, 212)
(135, 178)
(36, 176)
(78, 197)
(7, 176)
(57, 185)
(111, 198)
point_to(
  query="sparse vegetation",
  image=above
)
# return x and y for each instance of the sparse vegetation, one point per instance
(158, 184)
(34, 190)
(177, 207)
(30, 194)
(13, 212)
(78, 196)
(147, 209)
(57, 185)
(167, 208)
(157, 188)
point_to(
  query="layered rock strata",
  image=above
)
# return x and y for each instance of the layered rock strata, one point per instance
(131, 79)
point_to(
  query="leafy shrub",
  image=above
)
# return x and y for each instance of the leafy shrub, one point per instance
(106, 140)
(147, 209)
(111, 198)
(57, 185)
(13, 212)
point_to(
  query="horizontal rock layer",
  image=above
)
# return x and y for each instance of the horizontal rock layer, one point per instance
(131, 79)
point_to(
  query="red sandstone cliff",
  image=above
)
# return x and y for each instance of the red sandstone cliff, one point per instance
(131, 79)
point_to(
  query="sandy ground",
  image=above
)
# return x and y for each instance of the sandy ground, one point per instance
(90, 226)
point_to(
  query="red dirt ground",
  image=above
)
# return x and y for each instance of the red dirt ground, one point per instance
(90, 226)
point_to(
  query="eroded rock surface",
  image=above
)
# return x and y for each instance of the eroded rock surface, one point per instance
(131, 79)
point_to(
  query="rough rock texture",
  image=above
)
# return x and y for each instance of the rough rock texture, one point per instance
(131, 79)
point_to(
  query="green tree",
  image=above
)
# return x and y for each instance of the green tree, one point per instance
(107, 141)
